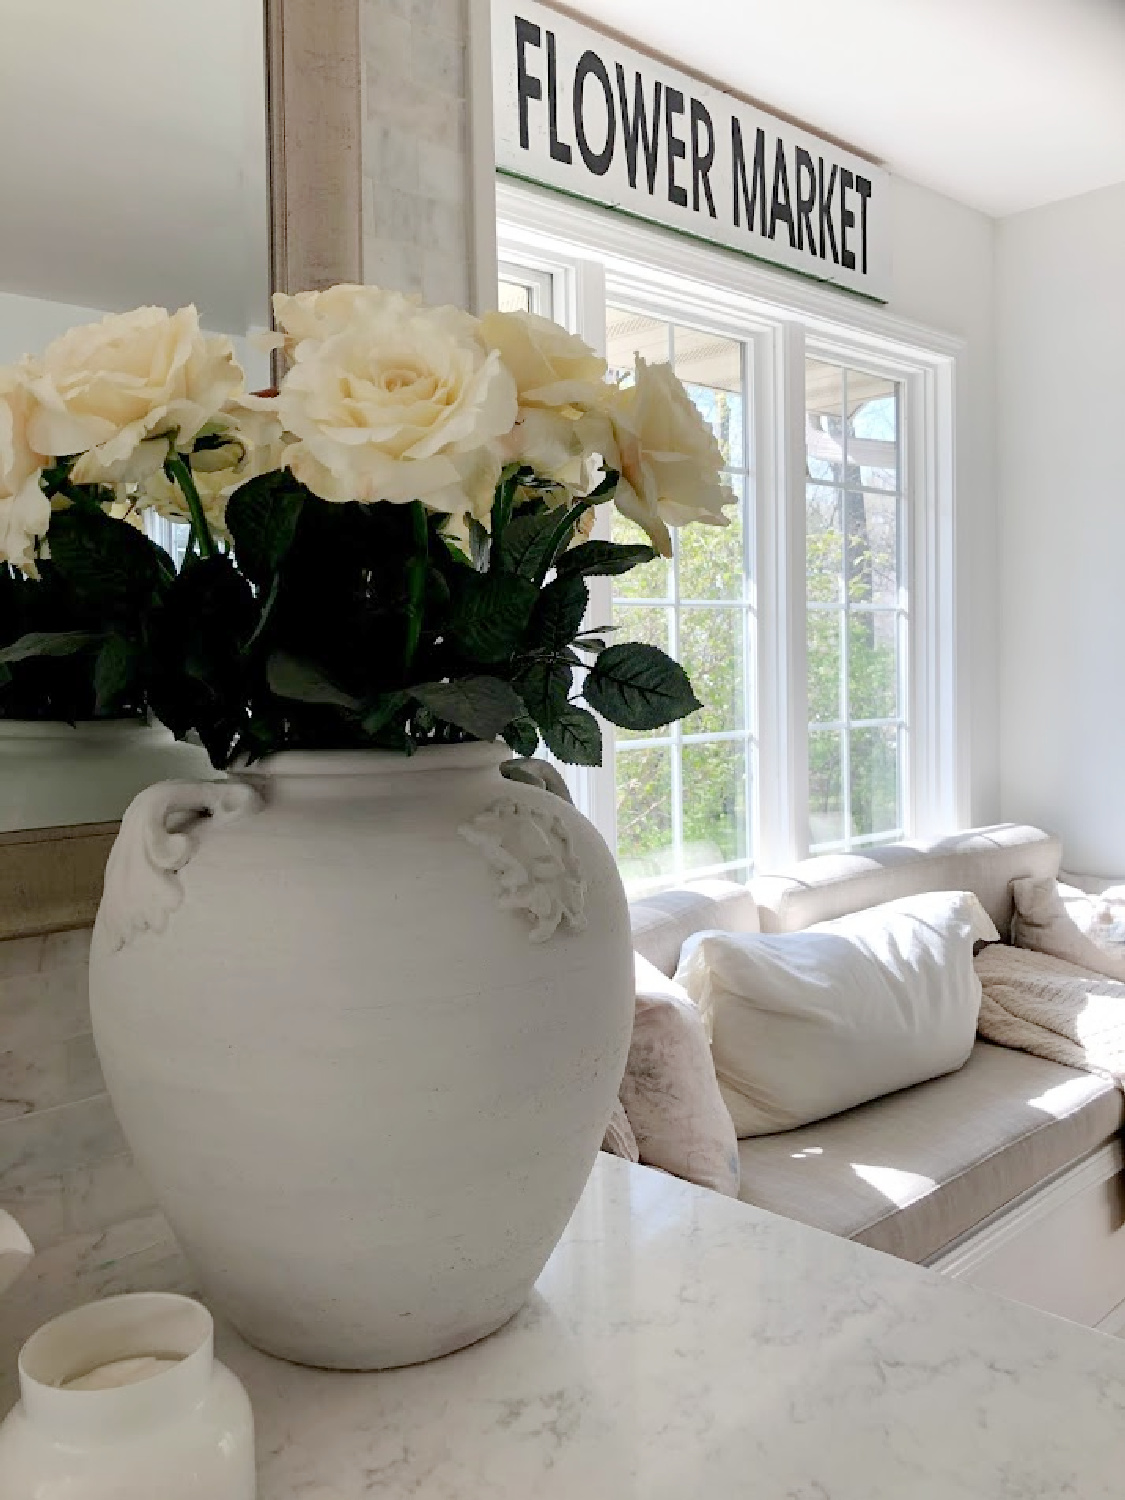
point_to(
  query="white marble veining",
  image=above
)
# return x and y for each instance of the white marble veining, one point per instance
(678, 1345)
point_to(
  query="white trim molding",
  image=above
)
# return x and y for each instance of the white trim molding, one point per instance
(1059, 1247)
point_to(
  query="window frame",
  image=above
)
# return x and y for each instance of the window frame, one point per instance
(601, 256)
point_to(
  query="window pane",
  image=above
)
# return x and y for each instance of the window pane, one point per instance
(639, 622)
(653, 626)
(874, 782)
(644, 812)
(711, 654)
(824, 666)
(711, 368)
(872, 548)
(854, 560)
(654, 579)
(710, 557)
(826, 787)
(824, 543)
(872, 436)
(824, 420)
(514, 296)
(715, 795)
(628, 334)
(873, 665)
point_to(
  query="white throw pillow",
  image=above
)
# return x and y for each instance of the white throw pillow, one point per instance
(1068, 923)
(806, 1024)
(670, 1092)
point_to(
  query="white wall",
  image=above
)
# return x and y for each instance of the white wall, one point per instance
(29, 324)
(1061, 383)
(943, 276)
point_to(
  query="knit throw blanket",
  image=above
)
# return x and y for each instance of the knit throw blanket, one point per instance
(1054, 1009)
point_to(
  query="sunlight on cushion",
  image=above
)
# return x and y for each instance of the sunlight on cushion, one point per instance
(1063, 1099)
(900, 1188)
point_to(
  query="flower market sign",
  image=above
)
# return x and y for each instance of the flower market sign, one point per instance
(577, 111)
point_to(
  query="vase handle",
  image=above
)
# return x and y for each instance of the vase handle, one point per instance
(532, 771)
(159, 834)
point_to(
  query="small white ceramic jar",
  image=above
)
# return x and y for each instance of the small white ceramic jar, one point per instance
(169, 1421)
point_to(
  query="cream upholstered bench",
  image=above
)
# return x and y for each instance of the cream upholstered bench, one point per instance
(1008, 1172)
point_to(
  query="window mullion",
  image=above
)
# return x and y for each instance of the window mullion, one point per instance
(845, 627)
(677, 728)
(749, 615)
(779, 422)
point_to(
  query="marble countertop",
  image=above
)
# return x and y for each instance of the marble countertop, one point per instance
(678, 1345)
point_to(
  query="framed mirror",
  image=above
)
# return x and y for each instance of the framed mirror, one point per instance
(162, 155)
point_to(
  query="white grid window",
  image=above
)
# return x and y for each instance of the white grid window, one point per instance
(525, 289)
(833, 705)
(684, 794)
(857, 616)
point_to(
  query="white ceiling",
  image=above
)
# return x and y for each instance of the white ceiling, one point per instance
(1002, 104)
(133, 167)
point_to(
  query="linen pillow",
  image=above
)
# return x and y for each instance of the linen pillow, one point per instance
(619, 1139)
(670, 1092)
(1068, 923)
(806, 1024)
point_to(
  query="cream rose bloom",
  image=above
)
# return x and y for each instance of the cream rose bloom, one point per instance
(25, 511)
(315, 316)
(669, 459)
(254, 444)
(117, 391)
(405, 403)
(558, 380)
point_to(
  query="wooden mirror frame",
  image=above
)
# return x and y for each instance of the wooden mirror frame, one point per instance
(314, 103)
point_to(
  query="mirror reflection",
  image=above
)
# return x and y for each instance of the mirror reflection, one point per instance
(138, 176)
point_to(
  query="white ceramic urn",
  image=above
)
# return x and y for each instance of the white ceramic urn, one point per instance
(160, 1418)
(363, 1018)
(53, 774)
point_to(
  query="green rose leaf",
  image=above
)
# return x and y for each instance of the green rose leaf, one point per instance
(558, 614)
(522, 736)
(108, 563)
(262, 517)
(482, 706)
(115, 673)
(49, 643)
(290, 677)
(575, 738)
(639, 687)
(378, 714)
(544, 685)
(490, 613)
(527, 542)
(196, 675)
(603, 559)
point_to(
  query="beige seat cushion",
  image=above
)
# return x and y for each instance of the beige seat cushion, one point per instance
(912, 1171)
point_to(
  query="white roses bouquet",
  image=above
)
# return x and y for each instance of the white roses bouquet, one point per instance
(390, 550)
